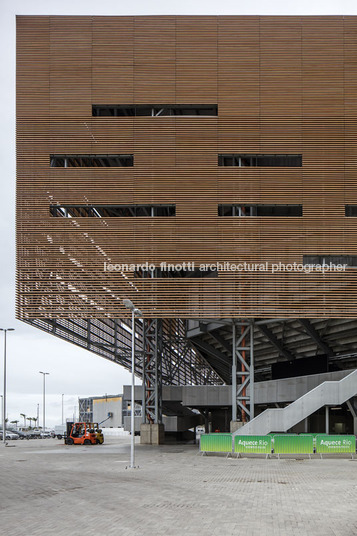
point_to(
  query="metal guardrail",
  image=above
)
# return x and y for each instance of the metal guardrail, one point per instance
(282, 419)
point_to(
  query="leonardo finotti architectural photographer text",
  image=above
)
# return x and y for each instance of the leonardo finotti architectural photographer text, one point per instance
(228, 267)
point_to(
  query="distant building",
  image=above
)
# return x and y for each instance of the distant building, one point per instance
(109, 410)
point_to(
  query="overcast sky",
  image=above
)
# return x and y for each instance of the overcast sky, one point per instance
(73, 371)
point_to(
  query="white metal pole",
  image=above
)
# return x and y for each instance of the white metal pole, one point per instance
(132, 450)
(252, 401)
(4, 395)
(129, 305)
(62, 408)
(2, 409)
(44, 400)
(44, 403)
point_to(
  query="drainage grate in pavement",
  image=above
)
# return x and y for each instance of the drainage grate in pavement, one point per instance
(174, 505)
(242, 480)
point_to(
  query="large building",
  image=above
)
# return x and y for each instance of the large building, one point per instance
(203, 167)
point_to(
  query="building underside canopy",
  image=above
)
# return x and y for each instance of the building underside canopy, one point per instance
(200, 352)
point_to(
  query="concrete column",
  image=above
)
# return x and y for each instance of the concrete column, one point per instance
(352, 404)
(355, 426)
(327, 420)
(234, 426)
(152, 434)
(206, 422)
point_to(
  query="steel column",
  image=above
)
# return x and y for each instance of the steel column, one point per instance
(327, 420)
(152, 371)
(243, 380)
(251, 387)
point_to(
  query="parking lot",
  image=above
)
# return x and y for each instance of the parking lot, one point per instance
(50, 488)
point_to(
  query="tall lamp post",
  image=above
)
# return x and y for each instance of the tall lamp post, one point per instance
(62, 407)
(5, 330)
(134, 311)
(2, 401)
(44, 399)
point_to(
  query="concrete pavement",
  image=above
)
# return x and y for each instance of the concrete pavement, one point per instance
(48, 488)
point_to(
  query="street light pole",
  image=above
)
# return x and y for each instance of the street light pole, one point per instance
(5, 330)
(2, 402)
(62, 407)
(44, 399)
(134, 311)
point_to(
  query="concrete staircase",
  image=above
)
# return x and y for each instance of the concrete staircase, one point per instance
(330, 393)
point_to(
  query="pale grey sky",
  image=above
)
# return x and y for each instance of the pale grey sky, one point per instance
(73, 371)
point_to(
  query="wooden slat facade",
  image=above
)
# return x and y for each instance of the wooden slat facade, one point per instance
(283, 85)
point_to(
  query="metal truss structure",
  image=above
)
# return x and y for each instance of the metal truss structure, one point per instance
(199, 352)
(152, 371)
(163, 354)
(243, 369)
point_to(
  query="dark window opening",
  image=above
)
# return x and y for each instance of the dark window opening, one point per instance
(111, 211)
(92, 160)
(184, 273)
(350, 260)
(351, 211)
(260, 210)
(153, 110)
(260, 160)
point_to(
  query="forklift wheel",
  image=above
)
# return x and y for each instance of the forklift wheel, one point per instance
(69, 441)
(87, 442)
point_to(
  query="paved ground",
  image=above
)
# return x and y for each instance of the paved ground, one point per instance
(48, 488)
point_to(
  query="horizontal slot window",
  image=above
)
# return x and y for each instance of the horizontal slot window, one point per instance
(173, 271)
(153, 110)
(91, 160)
(259, 210)
(260, 160)
(111, 211)
(351, 211)
(350, 260)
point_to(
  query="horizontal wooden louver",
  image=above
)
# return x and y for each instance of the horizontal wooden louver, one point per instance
(282, 86)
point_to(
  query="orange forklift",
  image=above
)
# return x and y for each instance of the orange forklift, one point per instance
(83, 433)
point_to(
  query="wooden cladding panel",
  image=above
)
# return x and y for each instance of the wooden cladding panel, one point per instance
(238, 66)
(283, 85)
(70, 61)
(112, 60)
(350, 62)
(32, 85)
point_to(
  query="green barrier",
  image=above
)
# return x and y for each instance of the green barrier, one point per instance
(288, 444)
(310, 435)
(327, 444)
(216, 443)
(253, 444)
